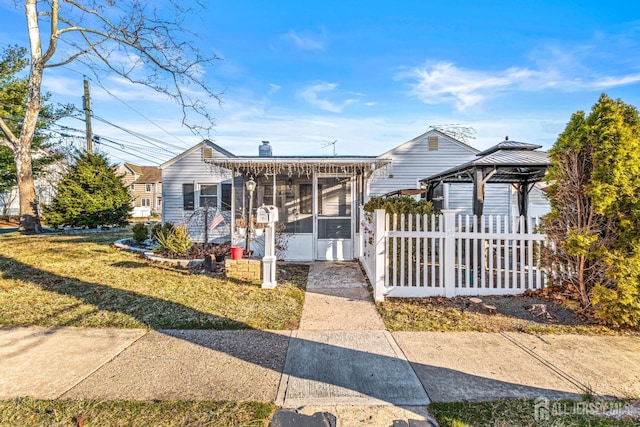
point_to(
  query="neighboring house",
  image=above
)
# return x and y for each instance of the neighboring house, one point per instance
(145, 187)
(45, 186)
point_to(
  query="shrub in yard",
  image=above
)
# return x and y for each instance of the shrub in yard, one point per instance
(175, 240)
(400, 205)
(161, 229)
(594, 223)
(140, 232)
(89, 195)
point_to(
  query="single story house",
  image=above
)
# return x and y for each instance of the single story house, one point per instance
(318, 197)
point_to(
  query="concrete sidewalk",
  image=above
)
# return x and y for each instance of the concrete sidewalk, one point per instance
(341, 360)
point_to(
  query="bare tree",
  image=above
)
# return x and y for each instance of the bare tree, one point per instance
(143, 41)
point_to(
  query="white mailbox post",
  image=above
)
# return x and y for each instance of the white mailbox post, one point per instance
(268, 215)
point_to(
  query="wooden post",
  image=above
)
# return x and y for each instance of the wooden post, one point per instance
(87, 116)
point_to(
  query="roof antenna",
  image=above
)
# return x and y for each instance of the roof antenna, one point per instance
(334, 146)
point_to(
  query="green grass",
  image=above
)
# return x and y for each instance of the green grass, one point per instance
(521, 412)
(28, 412)
(62, 280)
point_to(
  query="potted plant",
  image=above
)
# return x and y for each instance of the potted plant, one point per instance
(220, 251)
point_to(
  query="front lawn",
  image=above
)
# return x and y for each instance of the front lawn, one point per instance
(66, 280)
(525, 413)
(29, 412)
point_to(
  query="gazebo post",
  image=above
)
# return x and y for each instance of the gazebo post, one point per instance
(523, 198)
(478, 192)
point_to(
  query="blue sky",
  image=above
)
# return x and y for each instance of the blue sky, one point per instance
(375, 74)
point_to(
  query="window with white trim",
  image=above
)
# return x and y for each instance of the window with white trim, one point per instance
(145, 203)
(147, 188)
(132, 186)
(208, 195)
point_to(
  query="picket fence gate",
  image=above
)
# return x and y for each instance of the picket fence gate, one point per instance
(448, 254)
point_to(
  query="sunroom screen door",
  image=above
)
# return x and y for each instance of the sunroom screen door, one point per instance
(334, 220)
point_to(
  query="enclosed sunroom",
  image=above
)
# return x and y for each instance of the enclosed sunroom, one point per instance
(318, 201)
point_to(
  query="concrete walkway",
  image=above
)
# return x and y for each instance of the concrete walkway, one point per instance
(340, 361)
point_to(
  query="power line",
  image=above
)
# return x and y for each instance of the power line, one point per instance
(139, 113)
(138, 135)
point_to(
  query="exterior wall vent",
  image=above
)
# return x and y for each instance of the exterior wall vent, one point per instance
(207, 153)
(433, 143)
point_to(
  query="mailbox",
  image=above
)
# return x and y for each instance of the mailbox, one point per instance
(267, 214)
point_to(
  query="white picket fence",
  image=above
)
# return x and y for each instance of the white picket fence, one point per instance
(449, 254)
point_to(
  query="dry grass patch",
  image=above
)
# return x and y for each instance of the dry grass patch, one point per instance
(55, 280)
(458, 314)
(28, 412)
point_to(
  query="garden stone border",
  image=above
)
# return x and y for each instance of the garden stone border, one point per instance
(125, 245)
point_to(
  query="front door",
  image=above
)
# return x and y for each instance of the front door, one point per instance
(335, 218)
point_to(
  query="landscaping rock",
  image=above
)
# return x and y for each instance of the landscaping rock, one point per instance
(475, 300)
(490, 308)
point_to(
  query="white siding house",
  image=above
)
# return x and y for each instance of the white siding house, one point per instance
(318, 197)
(189, 184)
(431, 153)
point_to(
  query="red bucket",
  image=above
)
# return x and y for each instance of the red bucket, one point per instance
(237, 252)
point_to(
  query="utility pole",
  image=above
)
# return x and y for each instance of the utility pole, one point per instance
(87, 116)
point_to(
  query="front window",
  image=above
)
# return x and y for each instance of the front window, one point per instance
(145, 202)
(208, 195)
(132, 186)
(148, 188)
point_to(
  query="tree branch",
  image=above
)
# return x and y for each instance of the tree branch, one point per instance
(10, 140)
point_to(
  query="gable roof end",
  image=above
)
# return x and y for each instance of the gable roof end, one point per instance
(196, 147)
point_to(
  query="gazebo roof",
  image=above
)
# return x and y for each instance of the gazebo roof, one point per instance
(507, 162)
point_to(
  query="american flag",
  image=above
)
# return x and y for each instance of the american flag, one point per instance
(217, 220)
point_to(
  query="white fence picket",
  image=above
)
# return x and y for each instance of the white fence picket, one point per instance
(448, 255)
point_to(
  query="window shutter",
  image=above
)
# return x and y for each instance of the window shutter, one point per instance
(433, 143)
(188, 197)
(225, 204)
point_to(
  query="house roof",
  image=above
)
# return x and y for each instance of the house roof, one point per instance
(197, 147)
(144, 174)
(431, 132)
(510, 161)
(149, 174)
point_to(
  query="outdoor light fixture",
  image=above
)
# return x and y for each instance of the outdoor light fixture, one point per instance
(251, 186)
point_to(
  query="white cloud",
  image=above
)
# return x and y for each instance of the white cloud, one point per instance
(273, 88)
(312, 95)
(307, 41)
(444, 82)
